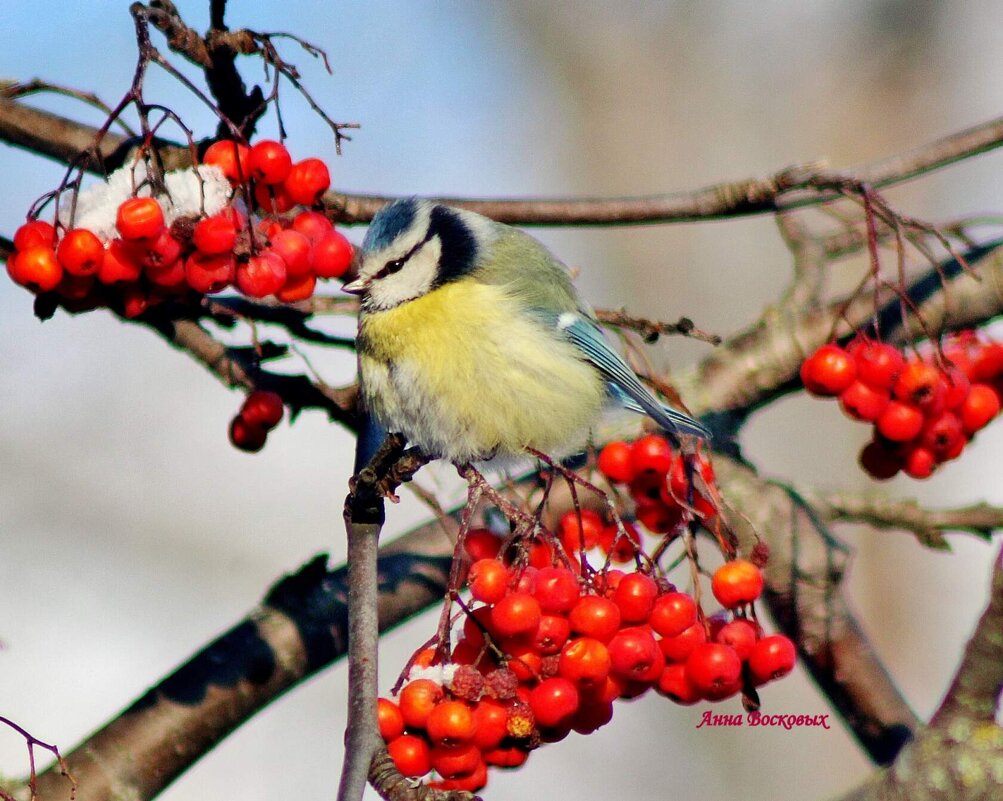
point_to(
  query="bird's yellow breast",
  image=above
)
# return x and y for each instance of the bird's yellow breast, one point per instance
(465, 372)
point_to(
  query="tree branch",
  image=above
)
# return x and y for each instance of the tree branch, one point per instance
(929, 525)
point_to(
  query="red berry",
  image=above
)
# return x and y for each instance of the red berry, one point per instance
(678, 648)
(481, 543)
(616, 463)
(246, 437)
(297, 288)
(715, 670)
(674, 683)
(490, 724)
(919, 462)
(139, 218)
(331, 255)
(450, 723)
(389, 719)
(453, 761)
(269, 162)
(516, 613)
(585, 661)
(672, 614)
(741, 635)
(411, 754)
(828, 371)
(511, 757)
(214, 235)
(553, 701)
(556, 590)
(635, 596)
(262, 408)
(261, 275)
(595, 617)
(34, 232)
(294, 248)
(417, 700)
(119, 265)
(551, 634)
(75, 287)
(862, 402)
(878, 365)
(987, 362)
(922, 385)
(208, 274)
(469, 782)
(737, 582)
(900, 422)
(880, 460)
(230, 157)
(635, 656)
(659, 518)
(958, 387)
(312, 224)
(273, 198)
(170, 276)
(592, 714)
(620, 548)
(979, 408)
(488, 579)
(771, 658)
(80, 252)
(942, 434)
(36, 268)
(651, 454)
(307, 181)
(583, 536)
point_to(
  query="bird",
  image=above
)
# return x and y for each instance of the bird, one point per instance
(473, 342)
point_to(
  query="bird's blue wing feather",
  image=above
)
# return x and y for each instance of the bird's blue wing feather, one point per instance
(624, 384)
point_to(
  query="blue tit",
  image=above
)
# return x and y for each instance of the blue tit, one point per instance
(473, 341)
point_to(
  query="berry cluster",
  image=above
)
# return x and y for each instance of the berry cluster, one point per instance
(545, 651)
(197, 238)
(924, 410)
(259, 414)
(660, 481)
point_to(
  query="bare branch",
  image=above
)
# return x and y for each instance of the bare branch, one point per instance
(929, 525)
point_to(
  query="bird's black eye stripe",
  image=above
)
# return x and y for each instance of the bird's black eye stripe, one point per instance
(397, 265)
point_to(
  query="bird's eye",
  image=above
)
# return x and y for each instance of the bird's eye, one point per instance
(390, 268)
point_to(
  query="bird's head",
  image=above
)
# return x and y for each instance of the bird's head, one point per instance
(413, 246)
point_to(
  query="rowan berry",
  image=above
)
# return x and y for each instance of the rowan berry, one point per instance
(307, 181)
(616, 463)
(861, 401)
(878, 364)
(269, 162)
(246, 437)
(417, 700)
(312, 224)
(674, 683)
(828, 371)
(740, 635)
(488, 580)
(261, 275)
(553, 701)
(651, 454)
(979, 408)
(715, 670)
(490, 719)
(80, 252)
(772, 657)
(208, 274)
(231, 157)
(34, 232)
(516, 613)
(450, 723)
(36, 268)
(389, 719)
(635, 656)
(214, 235)
(678, 648)
(635, 596)
(672, 613)
(595, 617)
(737, 582)
(585, 661)
(139, 218)
(331, 255)
(411, 754)
(900, 422)
(262, 408)
(584, 536)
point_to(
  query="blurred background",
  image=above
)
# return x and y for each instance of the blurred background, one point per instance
(131, 533)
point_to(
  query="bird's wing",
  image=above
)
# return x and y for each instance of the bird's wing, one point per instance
(624, 383)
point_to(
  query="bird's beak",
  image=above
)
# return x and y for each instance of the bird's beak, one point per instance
(356, 287)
